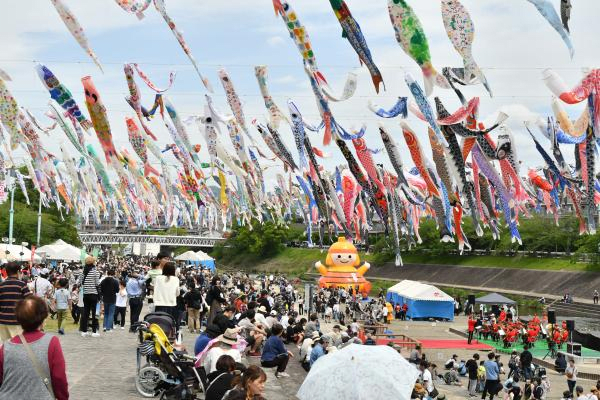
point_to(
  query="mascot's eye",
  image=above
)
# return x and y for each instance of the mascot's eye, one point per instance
(339, 256)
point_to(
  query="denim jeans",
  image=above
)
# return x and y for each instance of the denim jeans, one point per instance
(109, 316)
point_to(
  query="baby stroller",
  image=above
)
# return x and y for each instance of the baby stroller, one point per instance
(168, 373)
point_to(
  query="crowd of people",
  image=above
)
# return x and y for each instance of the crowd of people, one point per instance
(243, 325)
(266, 313)
(520, 380)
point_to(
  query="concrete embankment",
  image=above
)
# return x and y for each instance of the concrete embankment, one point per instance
(550, 284)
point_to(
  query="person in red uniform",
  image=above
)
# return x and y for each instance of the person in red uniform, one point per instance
(471, 325)
(565, 336)
(531, 336)
(502, 316)
(556, 335)
(495, 328)
(535, 319)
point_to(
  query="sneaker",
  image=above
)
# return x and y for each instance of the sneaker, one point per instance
(282, 375)
(104, 330)
(254, 354)
(122, 328)
(61, 332)
(95, 334)
(84, 334)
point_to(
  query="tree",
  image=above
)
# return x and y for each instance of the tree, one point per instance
(54, 225)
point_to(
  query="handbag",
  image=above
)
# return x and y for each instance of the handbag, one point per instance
(434, 393)
(37, 367)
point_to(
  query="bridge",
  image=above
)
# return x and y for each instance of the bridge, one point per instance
(166, 240)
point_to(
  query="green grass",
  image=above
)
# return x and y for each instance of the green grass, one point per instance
(297, 261)
(500, 262)
(291, 261)
(51, 325)
(539, 350)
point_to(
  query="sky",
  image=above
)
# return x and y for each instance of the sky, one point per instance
(513, 45)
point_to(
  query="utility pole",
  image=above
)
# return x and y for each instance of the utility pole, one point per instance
(11, 212)
(39, 222)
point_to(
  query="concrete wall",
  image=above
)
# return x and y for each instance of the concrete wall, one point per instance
(551, 284)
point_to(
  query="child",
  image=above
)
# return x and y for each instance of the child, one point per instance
(121, 305)
(480, 377)
(75, 310)
(62, 302)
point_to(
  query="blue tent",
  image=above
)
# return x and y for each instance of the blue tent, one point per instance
(424, 301)
(198, 259)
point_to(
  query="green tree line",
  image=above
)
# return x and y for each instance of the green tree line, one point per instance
(54, 226)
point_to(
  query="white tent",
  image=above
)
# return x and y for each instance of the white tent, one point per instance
(188, 256)
(14, 253)
(424, 301)
(61, 250)
(203, 256)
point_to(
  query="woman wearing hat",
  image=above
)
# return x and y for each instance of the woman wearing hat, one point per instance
(88, 283)
(226, 343)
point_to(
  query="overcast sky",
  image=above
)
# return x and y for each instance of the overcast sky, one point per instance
(513, 45)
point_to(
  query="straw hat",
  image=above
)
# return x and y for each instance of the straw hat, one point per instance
(229, 337)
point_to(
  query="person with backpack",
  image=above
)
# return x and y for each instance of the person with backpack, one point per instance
(194, 305)
(537, 392)
(513, 363)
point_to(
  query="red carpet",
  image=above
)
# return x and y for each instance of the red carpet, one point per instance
(444, 344)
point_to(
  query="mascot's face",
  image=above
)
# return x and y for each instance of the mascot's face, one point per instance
(343, 258)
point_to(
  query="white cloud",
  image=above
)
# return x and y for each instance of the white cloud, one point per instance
(275, 41)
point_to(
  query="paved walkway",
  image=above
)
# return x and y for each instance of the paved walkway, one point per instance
(104, 367)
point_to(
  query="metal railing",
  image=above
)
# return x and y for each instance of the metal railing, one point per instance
(168, 240)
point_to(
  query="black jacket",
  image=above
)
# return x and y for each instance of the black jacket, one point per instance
(109, 287)
(263, 301)
(472, 368)
(526, 358)
(193, 299)
(220, 383)
(223, 323)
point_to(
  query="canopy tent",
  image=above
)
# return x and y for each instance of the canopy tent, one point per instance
(197, 258)
(188, 256)
(61, 250)
(14, 253)
(206, 260)
(494, 298)
(424, 301)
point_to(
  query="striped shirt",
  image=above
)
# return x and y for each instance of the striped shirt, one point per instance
(11, 291)
(92, 281)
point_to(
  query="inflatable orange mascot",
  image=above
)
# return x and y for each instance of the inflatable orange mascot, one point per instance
(340, 268)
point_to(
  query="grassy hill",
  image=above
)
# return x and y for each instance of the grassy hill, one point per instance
(298, 261)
